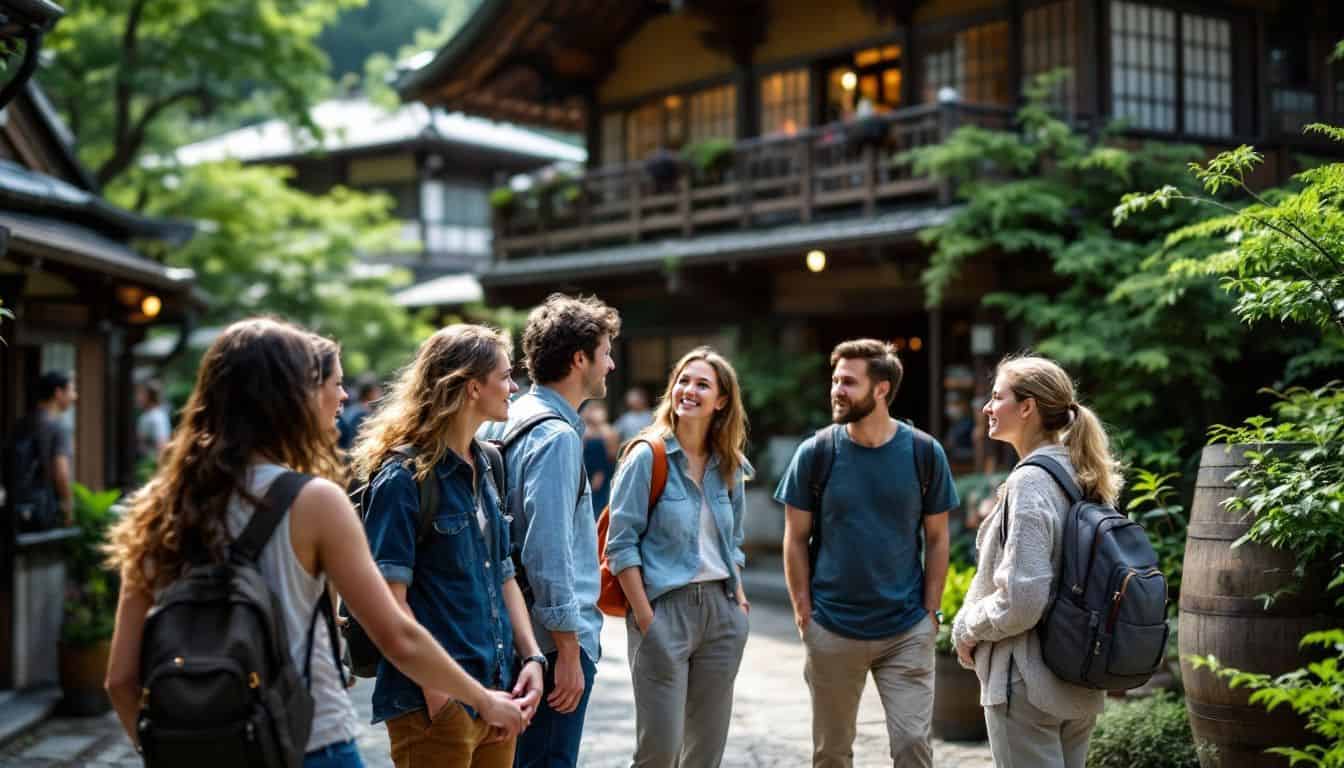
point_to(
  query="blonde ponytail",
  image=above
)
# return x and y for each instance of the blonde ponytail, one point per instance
(1090, 452)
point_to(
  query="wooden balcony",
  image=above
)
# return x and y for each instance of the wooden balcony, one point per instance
(841, 169)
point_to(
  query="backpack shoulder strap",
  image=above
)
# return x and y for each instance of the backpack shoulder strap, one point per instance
(658, 480)
(496, 459)
(268, 514)
(924, 453)
(517, 431)
(823, 458)
(1059, 474)
(429, 493)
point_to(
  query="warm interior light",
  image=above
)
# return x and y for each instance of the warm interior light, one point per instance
(816, 260)
(848, 81)
(916, 343)
(151, 305)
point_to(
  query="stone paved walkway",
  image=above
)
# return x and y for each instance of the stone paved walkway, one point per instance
(770, 718)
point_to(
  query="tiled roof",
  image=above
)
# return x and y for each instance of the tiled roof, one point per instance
(449, 290)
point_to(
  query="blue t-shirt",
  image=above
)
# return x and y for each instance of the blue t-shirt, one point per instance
(869, 577)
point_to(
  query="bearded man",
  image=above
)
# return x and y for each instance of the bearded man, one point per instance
(866, 594)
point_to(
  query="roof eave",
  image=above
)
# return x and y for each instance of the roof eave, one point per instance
(412, 85)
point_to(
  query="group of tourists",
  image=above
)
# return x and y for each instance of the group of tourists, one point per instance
(472, 560)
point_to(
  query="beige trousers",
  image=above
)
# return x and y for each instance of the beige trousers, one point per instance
(902, 667)
(1022, 736)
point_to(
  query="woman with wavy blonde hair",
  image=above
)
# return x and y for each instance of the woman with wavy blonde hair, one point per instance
(1033, 717)
(262, 405)
(455, 574)
(680, 562)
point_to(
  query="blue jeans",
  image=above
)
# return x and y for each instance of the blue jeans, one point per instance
(342, 754)
(552, 740)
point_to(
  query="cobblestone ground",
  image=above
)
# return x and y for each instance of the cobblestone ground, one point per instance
(771, 719)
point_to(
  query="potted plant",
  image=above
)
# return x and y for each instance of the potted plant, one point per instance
(90, 605)
(957, 714)
(711, 158)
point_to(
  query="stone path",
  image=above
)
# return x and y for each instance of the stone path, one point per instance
(771, 719)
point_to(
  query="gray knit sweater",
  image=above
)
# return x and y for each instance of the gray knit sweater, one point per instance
(1013, 584)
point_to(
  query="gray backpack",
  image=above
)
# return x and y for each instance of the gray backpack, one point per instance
(1106, 624)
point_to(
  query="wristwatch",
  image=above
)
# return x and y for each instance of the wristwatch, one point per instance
(939, 616)
(540, 660)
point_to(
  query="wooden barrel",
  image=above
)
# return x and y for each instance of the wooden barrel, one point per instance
(1222, 615)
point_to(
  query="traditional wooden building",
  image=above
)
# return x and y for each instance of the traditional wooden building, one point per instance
(81, 293)
(438, 169)
(791, 214)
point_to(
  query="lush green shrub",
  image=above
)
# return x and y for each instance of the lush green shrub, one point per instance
(1152, 732)
(91, 589)
(954, 595)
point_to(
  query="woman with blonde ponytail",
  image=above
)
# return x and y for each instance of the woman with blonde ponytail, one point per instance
(1033, 717)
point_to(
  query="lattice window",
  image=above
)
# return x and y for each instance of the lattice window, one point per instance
(1144, 70)
(643, 131)
(713, 114)
(1049, 35)
(1207, 59)
(784, 102)
(613, 138)
(974, 63)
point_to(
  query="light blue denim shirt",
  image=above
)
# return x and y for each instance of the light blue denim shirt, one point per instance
(666, 544)
(559, 552)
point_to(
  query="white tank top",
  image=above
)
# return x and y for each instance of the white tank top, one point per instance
(334, 718)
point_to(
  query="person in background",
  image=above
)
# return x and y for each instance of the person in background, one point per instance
(56, 395)
(368, 392)
(152, 428)
(600, 444)
(637, 415)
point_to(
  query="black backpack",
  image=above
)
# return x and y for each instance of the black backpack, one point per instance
(28, 480)
(823, 458)
(363, 656)
(513, 506)
(1106, 624)
(219, 688)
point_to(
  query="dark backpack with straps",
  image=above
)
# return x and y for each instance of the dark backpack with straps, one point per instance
(514, 514)
(1106, 624)
(361, 654)
(823, 459)
(219, 688)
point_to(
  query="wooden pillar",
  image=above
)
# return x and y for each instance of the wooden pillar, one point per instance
(935, 371)
(1017, 50)
(592, 127)
(748, 100)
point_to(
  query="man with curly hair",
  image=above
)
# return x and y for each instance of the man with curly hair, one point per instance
(567, 350)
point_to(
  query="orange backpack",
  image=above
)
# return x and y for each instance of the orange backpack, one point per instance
(611, 599)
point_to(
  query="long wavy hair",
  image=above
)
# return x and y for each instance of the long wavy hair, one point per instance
(727, 437)
(256, 397)
(428, 394)
(1065, 419)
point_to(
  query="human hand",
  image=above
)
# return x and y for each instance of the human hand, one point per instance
(569, 685)
(527, 691)
(966, 653)
(501, 711)
(801, 620)
(644, 620)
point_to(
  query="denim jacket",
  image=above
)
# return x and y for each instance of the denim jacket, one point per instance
(559, 553)
(666, 544)
(454, 577)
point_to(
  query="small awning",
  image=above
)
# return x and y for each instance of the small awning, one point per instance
(82, 248)
(887, 227)
(446, 291)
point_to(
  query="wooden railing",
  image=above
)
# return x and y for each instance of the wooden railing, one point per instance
(840, 168)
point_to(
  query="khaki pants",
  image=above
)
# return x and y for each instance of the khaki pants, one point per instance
(453, 739)
(902, 667)
(1022, 736)
(683, 672)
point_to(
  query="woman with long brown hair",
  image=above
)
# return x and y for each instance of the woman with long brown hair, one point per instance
(260, 407)
(1033, 717)
(680, 562)
(456, 578)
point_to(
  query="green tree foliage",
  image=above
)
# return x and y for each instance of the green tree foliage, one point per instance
(385, 27)
(1147, 344)
(380, 67)
(270, 248)
(125, 72)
